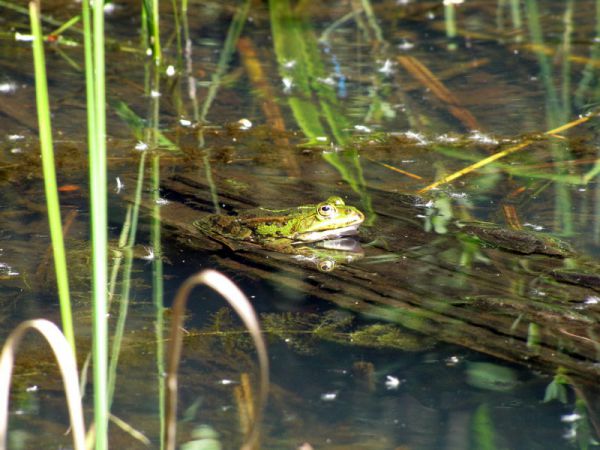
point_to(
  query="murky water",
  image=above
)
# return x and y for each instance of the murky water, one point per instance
(429, 339)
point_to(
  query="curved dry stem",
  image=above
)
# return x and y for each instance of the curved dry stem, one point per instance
(242, 306)
(65, 357)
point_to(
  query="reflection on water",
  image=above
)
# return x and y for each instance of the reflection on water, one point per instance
(280, 104)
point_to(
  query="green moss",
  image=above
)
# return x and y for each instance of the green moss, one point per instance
(303, 331)
(389, 336)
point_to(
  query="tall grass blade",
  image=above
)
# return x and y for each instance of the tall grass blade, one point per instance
(56, 233)
(96, 104)
(515, 14)
(243, 308)
(158, 292)
(156, 48)
(63, 352)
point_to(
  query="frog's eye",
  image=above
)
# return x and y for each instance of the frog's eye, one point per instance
(326, 210)
(326, 265)
(336, 201)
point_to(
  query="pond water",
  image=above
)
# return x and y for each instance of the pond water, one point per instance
(430, 335)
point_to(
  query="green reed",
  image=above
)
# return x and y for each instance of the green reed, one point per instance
(158, 295)
(96, 104)
(47, 149)
(96, 117)
(150, 16)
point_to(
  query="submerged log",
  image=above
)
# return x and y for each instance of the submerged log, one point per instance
(519, 296)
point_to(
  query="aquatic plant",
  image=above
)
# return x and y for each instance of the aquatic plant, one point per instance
(238, 301)
(96, 120)
(47, 148)
(65, 357)
(96, 106)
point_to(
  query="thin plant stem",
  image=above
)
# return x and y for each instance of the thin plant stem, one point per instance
(54, 219)
(156, 48)
(372, 20)
(596, 215)
(515, 14)
(567, 92)
(65, 26)
(450, 22)
(96, 92)
(144, 36)
(191, 79)
(118, 258)
(119, 327)
(126, 287)
(589, 71)
(23, 10)
(177, 25)
(158, 293)
(214, 195)
(537, 39)
(235, 29)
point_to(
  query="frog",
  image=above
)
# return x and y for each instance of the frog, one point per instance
(284, 230)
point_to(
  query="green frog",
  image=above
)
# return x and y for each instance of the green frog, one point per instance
(282, 230)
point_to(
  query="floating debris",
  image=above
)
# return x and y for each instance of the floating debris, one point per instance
(23, 37)
(244, 124)
(406, 45)
(329, 396)
(362, 128)
(569, 418)
(288, 83)
(483, 138)
(392, 383)
(289, 64)
(141, 146)
(387, 69)
(533, 226)
(8, 87)
(120, 185)
(150, 255)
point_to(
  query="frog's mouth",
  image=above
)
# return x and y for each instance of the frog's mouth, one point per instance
(313, 236)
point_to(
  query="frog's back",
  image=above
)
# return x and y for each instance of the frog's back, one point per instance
(221, 224)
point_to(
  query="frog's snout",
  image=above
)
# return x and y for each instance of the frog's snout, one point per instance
(361, 216)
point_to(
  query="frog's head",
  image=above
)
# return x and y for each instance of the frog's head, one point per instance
(327, 220)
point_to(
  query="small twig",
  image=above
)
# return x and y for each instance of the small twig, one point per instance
(502, 154)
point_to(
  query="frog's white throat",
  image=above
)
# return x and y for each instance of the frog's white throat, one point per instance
(314, 236)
